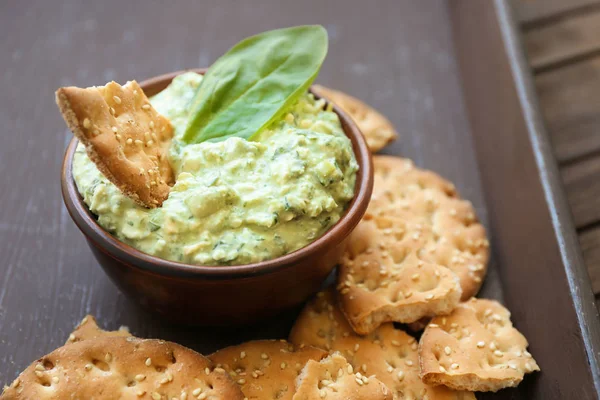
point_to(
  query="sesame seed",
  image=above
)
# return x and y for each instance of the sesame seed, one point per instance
(442, 369)
(148, 362)
(429, 296)
(129, 141)
(140, 377)
(140, 393)
(340, 373)
(241, 381)
(138, 142)
(38, 374)
(55, 379)
(203, 396)
(114, 129)
(207, 370)
(447, 350)
(360, 382)
(415, 277)
(400, 375)
(356, 347)
(365, 379)
(481, 344)
(350, 369)
(283, 365)
(364, 368)
(243, 355)
(86, 123)
(88, 367)
(156, 396)
(264, 356)
(108, 357)
(433, 325)
(513, 366)
(117, 99)
(39, 367)
(146, 107)
(196, 392)
(118, 136)
(409, 363)
(112, 111)
(322, 393)
(492, 346)
(395, 343)
(498, 353)
(151, 124)
(454, 366)
(149, 143)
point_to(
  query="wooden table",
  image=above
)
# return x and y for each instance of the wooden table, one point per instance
(562, 41)
(48, 277)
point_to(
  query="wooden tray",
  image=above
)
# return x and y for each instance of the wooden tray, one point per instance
(449, 74)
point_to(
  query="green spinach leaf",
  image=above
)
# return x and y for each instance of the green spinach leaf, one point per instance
(254, 82)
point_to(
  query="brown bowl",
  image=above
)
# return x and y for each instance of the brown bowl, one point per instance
(228, 295)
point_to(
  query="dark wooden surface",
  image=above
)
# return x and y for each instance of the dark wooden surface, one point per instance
(403, 65)
(562, 43)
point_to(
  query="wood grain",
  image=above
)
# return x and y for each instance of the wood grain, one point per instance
(582, 184)
(563, 41)
(529, 11)
(590, 246)
(570, 100)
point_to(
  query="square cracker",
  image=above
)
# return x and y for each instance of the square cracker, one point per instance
(266, 369)
(475, 348)
(377, 129)
(111, 368)
(333, 378)
(388, 353)
(415, 219)
(381, 278)
(124, 136)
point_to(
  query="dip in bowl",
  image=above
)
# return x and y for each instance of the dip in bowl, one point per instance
(213, 256)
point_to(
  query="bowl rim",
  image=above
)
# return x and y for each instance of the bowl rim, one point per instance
(114, 248)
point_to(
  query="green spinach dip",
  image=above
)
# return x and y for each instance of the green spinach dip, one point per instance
(235, 201)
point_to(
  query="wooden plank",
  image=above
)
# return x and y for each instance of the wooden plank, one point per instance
(529, 11)
(582, 184)
(567, 38)
(570, 100)
(590, 246)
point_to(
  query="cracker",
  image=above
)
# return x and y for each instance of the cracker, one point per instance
(111, 368)
(475, 348)
(389, 354)
(265, 369)
(333, 378)
(381, 279)
(376, 128)
(88, 329)
(416, 228)
(124, 136)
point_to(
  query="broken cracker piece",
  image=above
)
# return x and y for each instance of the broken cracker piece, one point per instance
(416, 212)
(124, 136)
(387, 353)
(377, 129)
(332, 378)
(88, 329)
(109, 368)
(381, 279)
(265, 368)
(475, 348)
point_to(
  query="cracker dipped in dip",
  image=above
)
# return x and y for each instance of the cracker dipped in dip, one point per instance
(261, 167)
